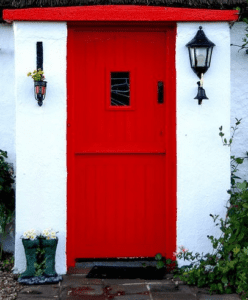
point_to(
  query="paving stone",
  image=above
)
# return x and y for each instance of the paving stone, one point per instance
(219, 297)
(164, 281)
(77, 281)
(122, 281)
(185, 289)
(132, 297)
(173, 296)
(128, 289)
(31, 297)
(92, 290)
(163, 288)
(96, 292)
(39, 291)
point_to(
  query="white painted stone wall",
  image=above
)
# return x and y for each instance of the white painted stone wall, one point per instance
(203, 162)
(7, 102)
(40, 137)
(239, 95)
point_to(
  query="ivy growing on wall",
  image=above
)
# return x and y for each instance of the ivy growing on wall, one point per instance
(224, 270)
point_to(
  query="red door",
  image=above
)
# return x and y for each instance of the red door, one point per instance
(121, 144)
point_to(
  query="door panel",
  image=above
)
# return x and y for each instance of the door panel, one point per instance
(117, 205)
(115, 214)
(100, 127)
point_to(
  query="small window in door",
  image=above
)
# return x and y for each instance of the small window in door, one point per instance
(120, 89)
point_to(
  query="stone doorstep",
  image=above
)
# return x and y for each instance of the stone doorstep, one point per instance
(73, 271)
(85, 271)
(115, 263)
(107, 292)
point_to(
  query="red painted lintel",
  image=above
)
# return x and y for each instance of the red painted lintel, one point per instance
(119, 13)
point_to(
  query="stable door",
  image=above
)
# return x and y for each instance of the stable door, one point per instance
(118, 140)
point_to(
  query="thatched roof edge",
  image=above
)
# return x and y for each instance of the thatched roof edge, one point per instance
(211, 4)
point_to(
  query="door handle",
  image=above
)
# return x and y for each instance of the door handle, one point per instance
(160, 92)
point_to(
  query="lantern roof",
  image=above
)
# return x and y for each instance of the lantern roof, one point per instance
(200, 40)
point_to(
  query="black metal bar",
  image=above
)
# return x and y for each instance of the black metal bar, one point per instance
(39, 56)
(160, 92)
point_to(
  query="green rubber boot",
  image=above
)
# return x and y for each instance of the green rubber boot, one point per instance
(50, 250)
(30, 248)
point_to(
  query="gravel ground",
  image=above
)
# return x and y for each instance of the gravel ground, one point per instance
(9, 287)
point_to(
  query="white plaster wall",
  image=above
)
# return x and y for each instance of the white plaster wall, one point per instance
(7, 102)
(203, 166)
(239, 95)
(40, 137)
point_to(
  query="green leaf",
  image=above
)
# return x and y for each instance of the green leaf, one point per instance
(158, 256)
(241, 185)
(231, 263)
(160, 264)
(236, 250)
(224, 279)
(239, 160)
(220, 287)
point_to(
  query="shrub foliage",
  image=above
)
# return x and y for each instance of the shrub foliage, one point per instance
(225, 269)
(7, 196)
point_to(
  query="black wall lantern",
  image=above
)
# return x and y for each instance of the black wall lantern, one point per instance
(200, 53)
(38, 76)
(40, 91)
(40, 86)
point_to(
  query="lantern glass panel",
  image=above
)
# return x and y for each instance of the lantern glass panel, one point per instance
(209, 56)
(201, 55)
(192, 56)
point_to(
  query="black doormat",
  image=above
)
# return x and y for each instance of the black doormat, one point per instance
(126, 272)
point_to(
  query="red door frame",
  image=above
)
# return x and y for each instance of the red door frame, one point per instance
(170, 127)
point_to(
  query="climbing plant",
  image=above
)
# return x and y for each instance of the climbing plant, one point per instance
(7, 196)
(225, 269)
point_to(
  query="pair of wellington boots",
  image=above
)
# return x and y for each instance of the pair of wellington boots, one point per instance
(30, 248)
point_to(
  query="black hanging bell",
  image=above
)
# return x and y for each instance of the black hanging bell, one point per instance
(201, 94)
